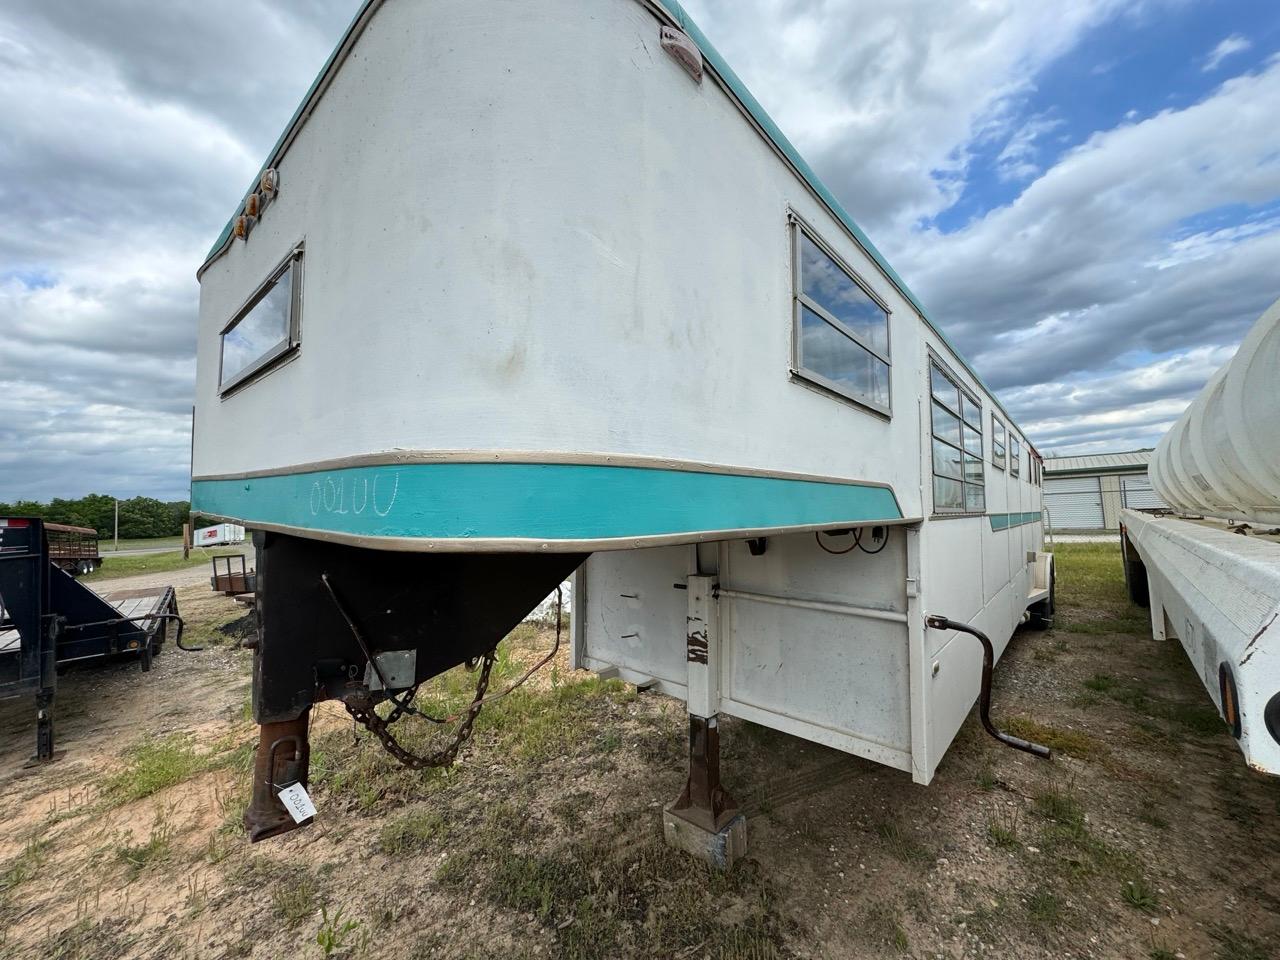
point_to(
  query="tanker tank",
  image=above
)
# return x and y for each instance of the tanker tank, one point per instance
(1222, 457)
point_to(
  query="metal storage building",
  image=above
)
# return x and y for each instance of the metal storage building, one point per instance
(1088, 492)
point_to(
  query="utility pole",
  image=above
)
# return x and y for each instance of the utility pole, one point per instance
(117, 524)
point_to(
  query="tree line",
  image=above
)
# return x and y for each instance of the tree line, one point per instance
(140, 518)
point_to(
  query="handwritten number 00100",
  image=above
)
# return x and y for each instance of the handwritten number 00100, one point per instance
(330, 496)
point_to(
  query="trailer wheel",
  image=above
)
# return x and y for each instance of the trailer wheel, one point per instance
(83, 567)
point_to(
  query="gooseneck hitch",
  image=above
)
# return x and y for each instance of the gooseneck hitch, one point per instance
(935, 622)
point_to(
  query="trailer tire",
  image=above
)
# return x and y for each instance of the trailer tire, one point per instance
(83, 567)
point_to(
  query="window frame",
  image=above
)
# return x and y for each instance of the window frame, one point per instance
(973, 397)
(288, 346)
(1015, 462)
(800, 301)
(998, 424)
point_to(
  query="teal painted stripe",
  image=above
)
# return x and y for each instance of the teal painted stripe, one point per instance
(447, 501)
(1003, 521)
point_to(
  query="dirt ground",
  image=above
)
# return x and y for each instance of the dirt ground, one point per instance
(1145, 837)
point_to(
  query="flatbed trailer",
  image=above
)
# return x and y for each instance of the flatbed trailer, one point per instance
(48, 619)
(1216, 589)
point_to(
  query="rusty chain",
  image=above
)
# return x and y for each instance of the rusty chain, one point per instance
(367, 716)
(362, 711)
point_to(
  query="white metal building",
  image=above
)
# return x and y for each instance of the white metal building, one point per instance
(1088, 492)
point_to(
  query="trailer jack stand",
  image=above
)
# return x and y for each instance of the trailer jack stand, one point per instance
(284, 754)
(705, 821)
(44, 731)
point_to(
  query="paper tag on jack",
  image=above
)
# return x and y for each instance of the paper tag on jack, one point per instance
(297, 802)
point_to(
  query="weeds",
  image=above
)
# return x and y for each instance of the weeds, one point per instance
(412, 832)
(1002, 828)
(294, 899)
(156, 849)
(334, 931)
(1044, 907)
(24, 866)
(1140, 895)
(155, 764)
(899, 842)
(1072, 742)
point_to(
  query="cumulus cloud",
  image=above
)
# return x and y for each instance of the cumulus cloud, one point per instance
(129, 132)
(887, 98)
(1076, 270)
(1229, 46)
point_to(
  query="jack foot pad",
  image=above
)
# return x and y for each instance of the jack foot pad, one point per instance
(719, 849)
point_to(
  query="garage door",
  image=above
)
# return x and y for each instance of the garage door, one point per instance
(1139, 494)
(1075, 503)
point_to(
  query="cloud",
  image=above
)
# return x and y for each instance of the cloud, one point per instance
(1017, 160)
(1092, 262)
(130, 130)
(1228, 47)
(886, 98)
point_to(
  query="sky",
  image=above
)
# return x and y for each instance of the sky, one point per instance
(1086, 195)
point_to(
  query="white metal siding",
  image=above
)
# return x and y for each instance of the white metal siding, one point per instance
(1139, 494)
(1075, 503)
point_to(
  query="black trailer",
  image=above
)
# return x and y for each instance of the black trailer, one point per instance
(48, 619)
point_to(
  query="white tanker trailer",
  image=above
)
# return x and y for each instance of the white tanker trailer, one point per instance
(1211, 574)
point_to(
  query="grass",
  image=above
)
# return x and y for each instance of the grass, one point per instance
(899, 842)
(599, 900)
(1198, 719)
(108, 545)
(157, 562)
(157, 849)
(527, 728)
(156, 763)
(1043, 906)
(412, 832)
(1092, 591)
(1002, 829)
(23, 867)
(1233, 945)
(1073, 742)
(295, 899)
(1140, 895)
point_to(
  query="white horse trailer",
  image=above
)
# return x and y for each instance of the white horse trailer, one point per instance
(1209, 587)
(529, 289)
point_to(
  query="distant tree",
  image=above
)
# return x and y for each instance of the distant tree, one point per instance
(22, 508)
(140, 517)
